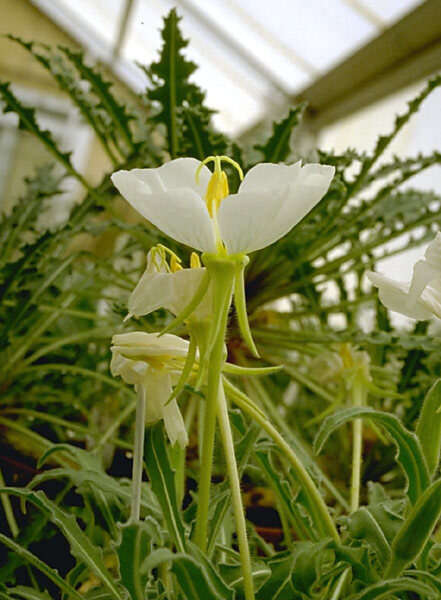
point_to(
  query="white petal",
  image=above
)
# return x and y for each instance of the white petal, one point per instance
(433, 252)
(174, 424)
(131, 371)
(423, 273)
(394, 296)
(139, 343)
(176, 174)
(153, 291)
(157, 391)
(256, 218)
(267, 176)
(185, 285)
(431, 298)
(179, 213)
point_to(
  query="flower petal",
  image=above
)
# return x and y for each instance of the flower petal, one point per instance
(179, 212)
(158, 390)
(394, 295)
(423, 274)
(267, 176)
(266, 208)
(153, 291)
(431, 298)
(174, 424)
(140, 343)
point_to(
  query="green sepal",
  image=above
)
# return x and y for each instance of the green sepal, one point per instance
(186, 371)
(241, 307)
(191, 306)
(232, 369)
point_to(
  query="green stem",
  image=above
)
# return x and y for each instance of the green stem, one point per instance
(138, 450)
(322, 517)
(222, 275)
(236, 497)
(357, 447)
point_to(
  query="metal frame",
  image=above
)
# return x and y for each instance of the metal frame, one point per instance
(405, 53)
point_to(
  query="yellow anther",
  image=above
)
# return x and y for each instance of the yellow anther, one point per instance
(174, 264)
(175, 261)
(217, 188)
(195, 261)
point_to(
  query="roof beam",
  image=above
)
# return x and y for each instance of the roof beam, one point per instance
(403, 54)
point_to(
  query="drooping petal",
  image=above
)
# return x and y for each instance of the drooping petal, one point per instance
(180, 212)
(158, 389)
(266, 207)
(394, 295)
(132, 371)
(174, 424)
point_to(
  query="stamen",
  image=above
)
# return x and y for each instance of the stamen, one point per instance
(175, 261)
(195, 261)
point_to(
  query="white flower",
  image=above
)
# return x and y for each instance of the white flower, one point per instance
(153, 364)
(421, 298)
(162, 287)
(201, 213)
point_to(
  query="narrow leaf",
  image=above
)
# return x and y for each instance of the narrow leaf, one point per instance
(416, 530)
(162, 478)
(428, 427)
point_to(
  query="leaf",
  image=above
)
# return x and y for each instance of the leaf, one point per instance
(28, 122)
(66, 81)
(181, 102)
(117, 112)
(133, 546)
(196, 576)
(385, 589)
(428, 428)
(384, 140)
(169, 77)
(27, 593)
(277, 148)
(80, 544)
(416, 530)
(41, 566)
(162, 479)
(409, 452)
(364, 527)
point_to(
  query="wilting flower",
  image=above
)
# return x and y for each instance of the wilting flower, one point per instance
(165, 284)
(153, 364)
(421, 298)
(192, 205)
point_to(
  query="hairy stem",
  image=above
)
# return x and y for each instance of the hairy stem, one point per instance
(357, 447)
(233, 475)
(138, 456)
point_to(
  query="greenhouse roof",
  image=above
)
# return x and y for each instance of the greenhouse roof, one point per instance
(260, 53)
